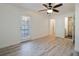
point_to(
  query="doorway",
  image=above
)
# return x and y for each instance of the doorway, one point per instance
(25, 28)
(69, 27)
(52, 26)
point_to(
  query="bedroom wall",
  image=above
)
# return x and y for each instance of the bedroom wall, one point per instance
(60, 23)
(9, 25)
(10, 18)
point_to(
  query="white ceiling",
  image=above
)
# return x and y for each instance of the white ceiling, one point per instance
(38, 6)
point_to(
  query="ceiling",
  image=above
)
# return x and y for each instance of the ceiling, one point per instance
(38, 6)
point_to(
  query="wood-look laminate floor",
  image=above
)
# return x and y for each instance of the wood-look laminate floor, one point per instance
(46, 46)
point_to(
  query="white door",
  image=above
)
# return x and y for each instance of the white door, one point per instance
(52, 27)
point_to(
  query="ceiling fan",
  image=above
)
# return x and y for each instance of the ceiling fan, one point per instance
(50, 8)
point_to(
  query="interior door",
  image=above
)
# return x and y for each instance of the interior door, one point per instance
(52, 27)
(70, 26)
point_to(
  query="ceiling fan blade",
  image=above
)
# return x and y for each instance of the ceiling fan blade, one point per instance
(58, 5)
(43, 10)
(45, 5)
(55, 10)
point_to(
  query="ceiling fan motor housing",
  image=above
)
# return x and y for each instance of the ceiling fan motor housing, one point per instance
(50, 6)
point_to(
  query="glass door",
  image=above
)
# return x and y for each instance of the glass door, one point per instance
(25, 28)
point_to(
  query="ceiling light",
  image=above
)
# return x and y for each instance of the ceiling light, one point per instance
(49, 11)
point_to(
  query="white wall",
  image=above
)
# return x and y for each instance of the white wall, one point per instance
(39, 26)
(10, 17)
(77, 27)
(9, 23)
(60, 23)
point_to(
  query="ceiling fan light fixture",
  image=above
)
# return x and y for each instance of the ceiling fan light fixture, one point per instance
(49, 11)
